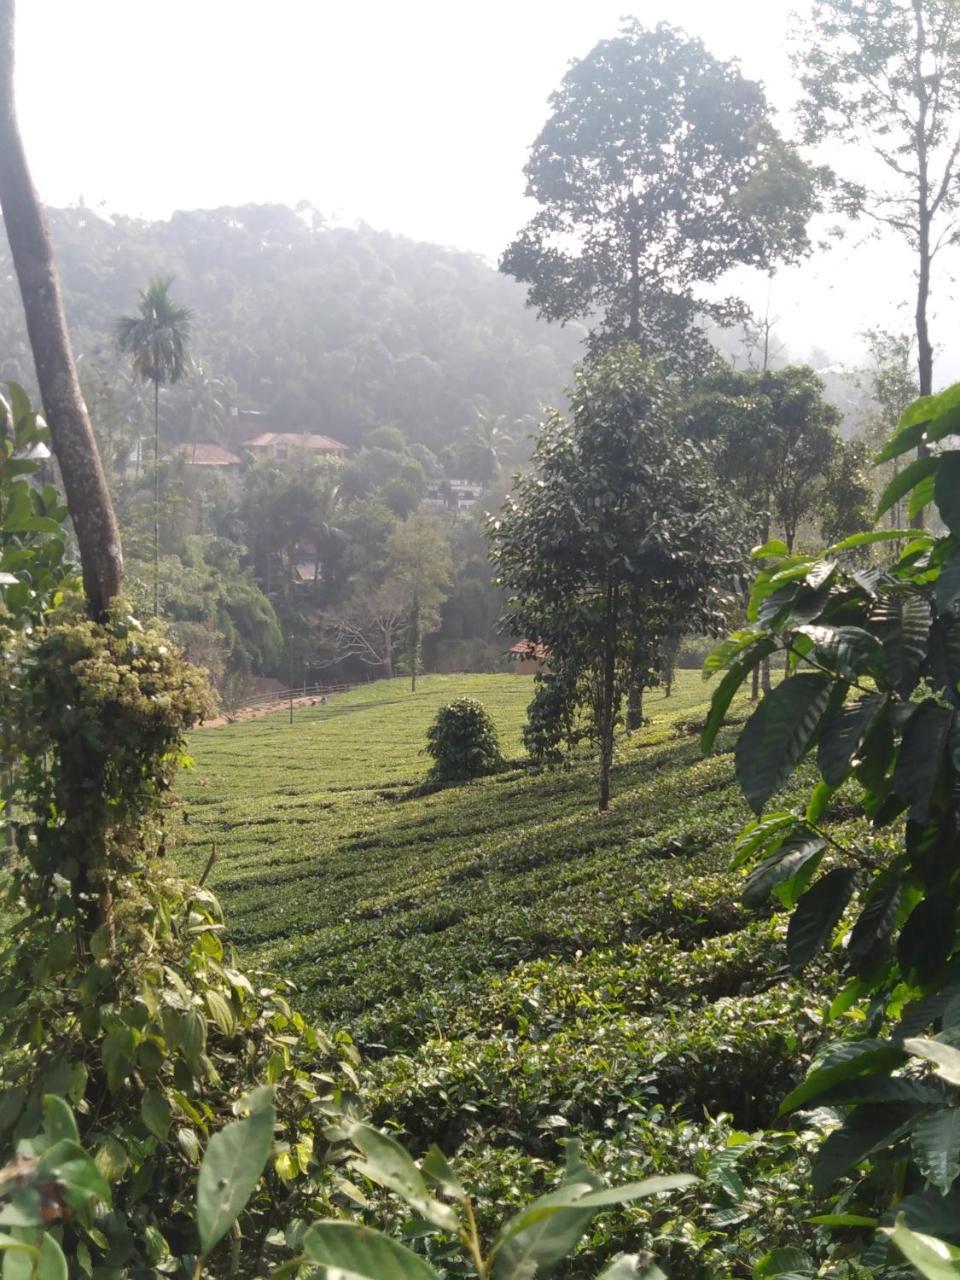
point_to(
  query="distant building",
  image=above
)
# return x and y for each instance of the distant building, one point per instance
(212, 457)
(530, 656)
(452, 495)
(281, 446)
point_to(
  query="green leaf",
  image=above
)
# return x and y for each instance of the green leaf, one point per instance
(155, 1112)
(759, 834)
(540, 1235)
(728, 686)
(819, 802)
(924, 409)
(721, 655)
(231, 1168)
(869, 1129)
(934, 1259)
(907, 438)
(66, 1162)
(921, 757)
(936, 1147)
(921, 497)
(435, 1167)
(775, 547)
(359, 1253)
(58, 1120)
(51, 1264)
(904, 481)
(945, 1059)
(631, 1191)
(795, 853)
(817, 914)
(783, 1261)
(843, 735)
(117, 1054)
(842, 1220)
(842, 1062)
(946, 490)
(386, 1163)
(947, 588)
(902, 621)
(778, 734)
(869, 539)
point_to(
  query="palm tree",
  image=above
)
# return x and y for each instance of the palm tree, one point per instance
(157, 339)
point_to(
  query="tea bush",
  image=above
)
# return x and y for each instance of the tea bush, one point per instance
(463, 743)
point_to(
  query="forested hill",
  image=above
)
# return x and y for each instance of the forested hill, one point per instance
(342, 329)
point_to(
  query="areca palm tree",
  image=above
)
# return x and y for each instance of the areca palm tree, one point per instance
(157, 338)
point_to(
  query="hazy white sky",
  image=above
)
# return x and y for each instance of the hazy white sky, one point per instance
(413, 115)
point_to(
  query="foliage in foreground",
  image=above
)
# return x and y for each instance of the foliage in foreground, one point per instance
(874, 691)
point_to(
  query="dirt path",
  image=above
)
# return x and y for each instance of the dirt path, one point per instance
(255, 713)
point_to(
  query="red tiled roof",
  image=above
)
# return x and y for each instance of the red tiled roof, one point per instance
(206, 455)
(296, 439)
(530, 649)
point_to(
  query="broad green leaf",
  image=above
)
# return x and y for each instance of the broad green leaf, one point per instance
(842, 1062)
(945, 1059)
(631, 1191)
(775, 547)
(819, 802)
(904, 481)
(356, 1252)
(924, 409)
(936, 1146)
(386, 1163)
(231, 1168)
(907, 438)
(58, 1120)
(795, 853)
(51, 1264)
(921, 757)
(869, 1129)
(435, 1167)
(540, 1235)
(721, 655)
(934, 1259)
(155, 1112)
(759, 834)
(778, 734)
(869, 539)
(66, 1162)
(902, 622)
(927, 938)
(783, 1261)
(946, 490)
(869, 935)
(728, 686)
(816, 915)
(842, 1220)
(921, 497)
(947, 589)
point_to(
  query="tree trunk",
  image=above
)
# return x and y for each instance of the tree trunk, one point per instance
(607, 692)
(88, 498)
(924, 217)
(156, 498)
(633, 324)
(414, 641)
(634, 706)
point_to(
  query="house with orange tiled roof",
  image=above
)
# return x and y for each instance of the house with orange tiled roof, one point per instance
(281, 446)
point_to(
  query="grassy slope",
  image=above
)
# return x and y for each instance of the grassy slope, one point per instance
(514, 966)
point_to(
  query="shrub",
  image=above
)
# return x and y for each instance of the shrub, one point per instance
(463, 742)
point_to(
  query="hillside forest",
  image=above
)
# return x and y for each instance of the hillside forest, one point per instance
(591, 908)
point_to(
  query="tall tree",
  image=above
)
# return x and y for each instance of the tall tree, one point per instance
(658, 170)
(885, 74)
(419, 564)
(892, 380)
(617, 528)
(88, 498)
(157, 337)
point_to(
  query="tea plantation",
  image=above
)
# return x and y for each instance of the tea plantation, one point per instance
(516, 969)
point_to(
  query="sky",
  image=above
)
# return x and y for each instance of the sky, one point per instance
(414, 116)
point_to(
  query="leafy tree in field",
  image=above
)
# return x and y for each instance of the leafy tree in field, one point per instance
(616, 530)
(418, 563)
(892, 380)
(873, 695)
(157, 338)
(886, 73)
(658, 170)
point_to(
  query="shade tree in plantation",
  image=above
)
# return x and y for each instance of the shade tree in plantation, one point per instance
(891, 380)
(884, 75)
(418, 564)
(617, 530)
(157, 340)
(657, 171)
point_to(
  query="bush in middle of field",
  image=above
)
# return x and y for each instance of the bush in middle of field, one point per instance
(463, 742)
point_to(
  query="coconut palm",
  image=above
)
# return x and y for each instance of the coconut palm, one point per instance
(157, 338)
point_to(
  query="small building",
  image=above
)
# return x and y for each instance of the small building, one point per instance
(211, 457)
(282, 446)
(452, 495)
(530, 656)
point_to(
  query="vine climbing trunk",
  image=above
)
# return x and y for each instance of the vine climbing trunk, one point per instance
(88, 497)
